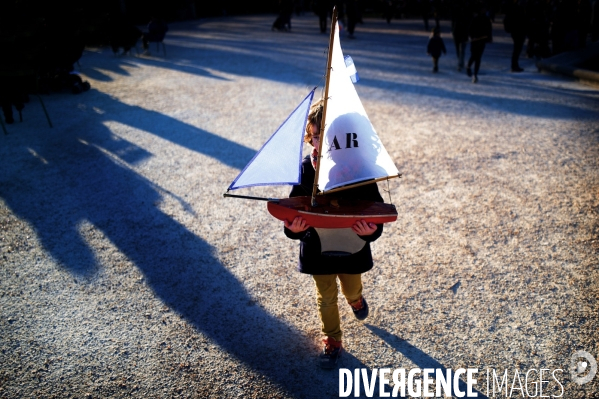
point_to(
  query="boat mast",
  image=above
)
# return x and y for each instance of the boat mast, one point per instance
(326, 99)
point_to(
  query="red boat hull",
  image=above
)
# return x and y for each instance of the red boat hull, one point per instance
(332, 213)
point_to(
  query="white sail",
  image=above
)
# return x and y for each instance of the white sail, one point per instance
(278, 162)
(351, 149)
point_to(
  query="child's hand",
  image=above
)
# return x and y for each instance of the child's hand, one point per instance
(298, 225)
(362, 228)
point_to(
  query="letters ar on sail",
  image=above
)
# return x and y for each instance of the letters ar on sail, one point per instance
(351, 149)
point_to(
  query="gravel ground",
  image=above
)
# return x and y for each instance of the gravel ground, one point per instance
(126, 274)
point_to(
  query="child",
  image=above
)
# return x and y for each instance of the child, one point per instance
(346, 264)
(435, 47)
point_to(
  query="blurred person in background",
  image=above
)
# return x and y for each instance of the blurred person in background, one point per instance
(481, 33)
(515, 23)
(461, 15)
(435, 47)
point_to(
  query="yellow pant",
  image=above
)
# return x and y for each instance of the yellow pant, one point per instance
(327, 292)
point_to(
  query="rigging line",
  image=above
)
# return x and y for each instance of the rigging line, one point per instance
(362, 183)
(323, 77)
(324, 108)
(250, 197)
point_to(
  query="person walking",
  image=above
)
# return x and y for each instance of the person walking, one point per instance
(347, 258)
(538, 29)
(425, 11)
(353, 15)
(515, 23)
(460, 21)
(322, 9)
(481, 33)
(435, 47)
(388, 10)
(283, 21)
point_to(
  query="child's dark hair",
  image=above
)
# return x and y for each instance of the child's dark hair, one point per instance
(314, 118)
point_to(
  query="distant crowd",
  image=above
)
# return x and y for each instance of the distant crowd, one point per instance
(551, 26)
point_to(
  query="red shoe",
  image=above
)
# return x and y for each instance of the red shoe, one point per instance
(330, 353)
(360, 309)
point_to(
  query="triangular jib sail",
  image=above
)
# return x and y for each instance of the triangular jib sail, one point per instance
(278, 162)
(351, 150)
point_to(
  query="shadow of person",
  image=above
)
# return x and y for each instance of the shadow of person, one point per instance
(83, 184)
(419, 358)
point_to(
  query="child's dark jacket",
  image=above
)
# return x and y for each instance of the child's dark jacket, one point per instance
(311, 260)
(435, 47)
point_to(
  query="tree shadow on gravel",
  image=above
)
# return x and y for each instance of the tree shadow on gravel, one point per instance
(97, 71)
(541, 109)
(188, 136)
(84, 188)
(269, 60)
(96, 64)
(417, 356)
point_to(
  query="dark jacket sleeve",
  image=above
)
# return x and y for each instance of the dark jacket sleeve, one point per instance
(294, 236)
(307, 178)
(304, 189)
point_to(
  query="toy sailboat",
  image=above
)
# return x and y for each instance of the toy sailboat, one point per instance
(353, 156)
